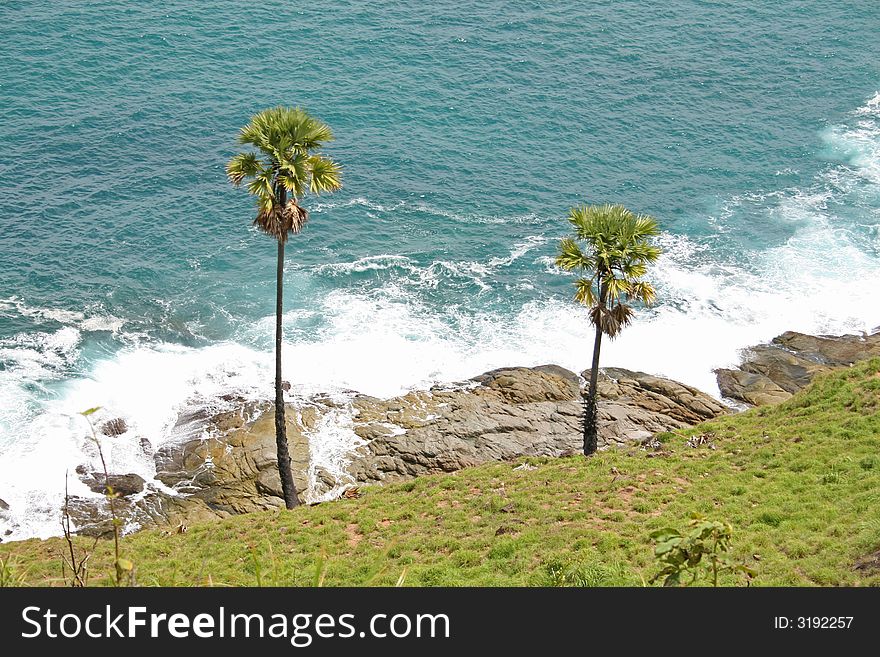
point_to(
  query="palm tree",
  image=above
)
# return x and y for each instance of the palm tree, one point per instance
(287, 164)
(613, 261)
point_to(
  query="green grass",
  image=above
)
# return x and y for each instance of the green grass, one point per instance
(799, 482)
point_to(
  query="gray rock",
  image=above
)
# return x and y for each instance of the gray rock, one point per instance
(657, 398)
(115, 427)
(124, 484)
(515, 412)
(830, 350)
(522, 384)
(771, 373)
(235, 470)
(748, 387)
(146, 446)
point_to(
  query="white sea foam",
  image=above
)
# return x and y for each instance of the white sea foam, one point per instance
(330, 447)
(86, 322)
(412, 207)
(147, 387)
(858, 144)
(518, 251)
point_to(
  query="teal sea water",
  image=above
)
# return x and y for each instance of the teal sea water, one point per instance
(130, 277)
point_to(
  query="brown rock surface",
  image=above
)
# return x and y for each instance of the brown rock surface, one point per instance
(771, 373)
(225, 464)
(515, 412)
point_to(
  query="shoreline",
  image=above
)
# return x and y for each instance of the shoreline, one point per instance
(788, 476)
(222, 463)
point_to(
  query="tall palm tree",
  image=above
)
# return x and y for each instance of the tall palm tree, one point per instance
(615, 255)
(285, 165)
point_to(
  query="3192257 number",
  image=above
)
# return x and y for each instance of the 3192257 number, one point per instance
(813, 622)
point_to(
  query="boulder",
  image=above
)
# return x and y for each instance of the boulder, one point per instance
(786, 369)
(514, 412)
(634, 405)
(771, 373)
(830, 350)
(754, 389)
(115, 427)
(123, 484)
(520, 385)
(146, 446)
(234, 470)
(657, 395)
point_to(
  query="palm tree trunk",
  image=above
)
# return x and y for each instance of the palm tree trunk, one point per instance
(288, 487)
(591, 403)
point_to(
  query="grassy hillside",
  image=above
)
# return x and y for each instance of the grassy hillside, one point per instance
(799, 482)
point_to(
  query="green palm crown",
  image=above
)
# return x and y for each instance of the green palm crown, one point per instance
(287, 159)
(614, 258)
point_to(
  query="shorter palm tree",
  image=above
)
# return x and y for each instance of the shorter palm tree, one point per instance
(615, 255)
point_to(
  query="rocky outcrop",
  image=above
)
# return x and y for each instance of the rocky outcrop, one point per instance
(515, 412)
(225, 464)
(831, 350)
(234, 470)
(753, 389)
(635, 406)
(772, 373)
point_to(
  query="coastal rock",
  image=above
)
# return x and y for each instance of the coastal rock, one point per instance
(225, 464)
(514, 412)
(788, 370)
(522, 385)
(234, 469)
(124, 484)
(634, 405)
(115, 427)
(771, 373)
(754, 389)
(830, 350)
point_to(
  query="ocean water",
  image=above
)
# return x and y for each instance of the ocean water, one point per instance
(130, 277)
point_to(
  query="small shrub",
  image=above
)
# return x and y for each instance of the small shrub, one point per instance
(583, 575)
(465, 558)
(833, 476)
(433, 576)
(9, 575)
(702, 552)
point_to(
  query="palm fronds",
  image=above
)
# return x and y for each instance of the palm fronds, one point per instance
(286, 165)
(611, 246)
